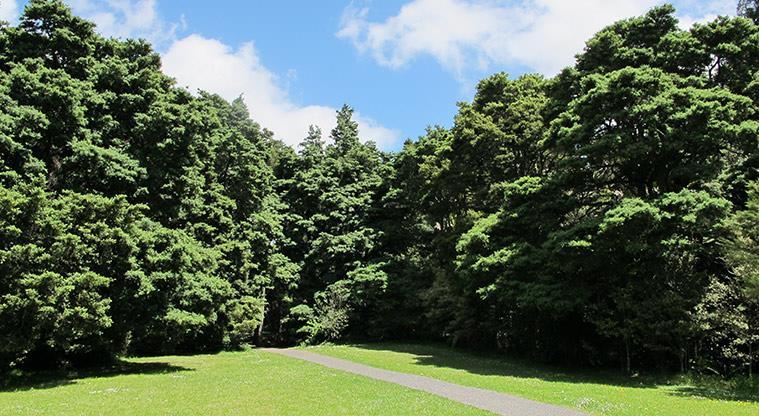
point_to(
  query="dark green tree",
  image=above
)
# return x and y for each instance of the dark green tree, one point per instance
(749, 8)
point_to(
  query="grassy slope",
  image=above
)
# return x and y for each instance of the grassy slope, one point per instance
(598, 393)
(252, 383)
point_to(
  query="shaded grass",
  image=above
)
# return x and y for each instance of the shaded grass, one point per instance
(234, 383)
(598, 392)
(16, 382)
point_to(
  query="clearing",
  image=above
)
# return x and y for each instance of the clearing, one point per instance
(230, 383)
(257, 382)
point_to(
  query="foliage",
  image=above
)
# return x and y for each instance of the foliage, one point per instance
(333, 192)
(742, 255)
(605, 216)
(748, 8)
(136, 217)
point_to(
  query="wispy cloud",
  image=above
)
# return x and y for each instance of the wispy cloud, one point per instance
(208, 64)
(466, 35)
(699, 11)
(128, 19)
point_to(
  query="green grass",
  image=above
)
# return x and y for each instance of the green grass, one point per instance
(239, 383)
(259, 383)
(595, 392)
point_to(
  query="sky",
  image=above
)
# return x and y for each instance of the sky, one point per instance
(401, 64)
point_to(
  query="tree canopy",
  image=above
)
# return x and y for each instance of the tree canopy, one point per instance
(607, 215)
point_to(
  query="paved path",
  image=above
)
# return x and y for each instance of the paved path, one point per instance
(498, 403)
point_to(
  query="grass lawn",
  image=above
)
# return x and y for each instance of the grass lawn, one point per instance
(597, 393)
(237, 383)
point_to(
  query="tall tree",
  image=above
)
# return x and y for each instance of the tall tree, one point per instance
(742, 254)
(749, 8)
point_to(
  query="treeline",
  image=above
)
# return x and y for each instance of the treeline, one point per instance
(608, 215)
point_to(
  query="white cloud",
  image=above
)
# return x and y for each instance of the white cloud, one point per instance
(463, 35)
(201, 63)
(699, 11)
(128, 19)
(8, 10)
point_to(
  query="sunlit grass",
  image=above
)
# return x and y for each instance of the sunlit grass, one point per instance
(599, 393)
(239, 383)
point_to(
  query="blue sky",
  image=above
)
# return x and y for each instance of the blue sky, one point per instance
(402, 64)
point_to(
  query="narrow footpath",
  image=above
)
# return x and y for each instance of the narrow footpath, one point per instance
(498, 403)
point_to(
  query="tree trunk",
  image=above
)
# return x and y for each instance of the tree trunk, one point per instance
(260, 329)
(750, 360)
(627, 355)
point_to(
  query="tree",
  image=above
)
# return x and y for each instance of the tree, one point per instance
(332, 197)
(152, 210)
(605, 215)
(742, 255)
(749, 8)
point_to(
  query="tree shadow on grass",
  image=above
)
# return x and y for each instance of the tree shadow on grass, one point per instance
(719, 390)
(51, 379)
(490, 364)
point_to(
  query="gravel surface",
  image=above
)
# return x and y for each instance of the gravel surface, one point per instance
(498, 403)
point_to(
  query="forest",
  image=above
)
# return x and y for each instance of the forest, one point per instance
(607, 216)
